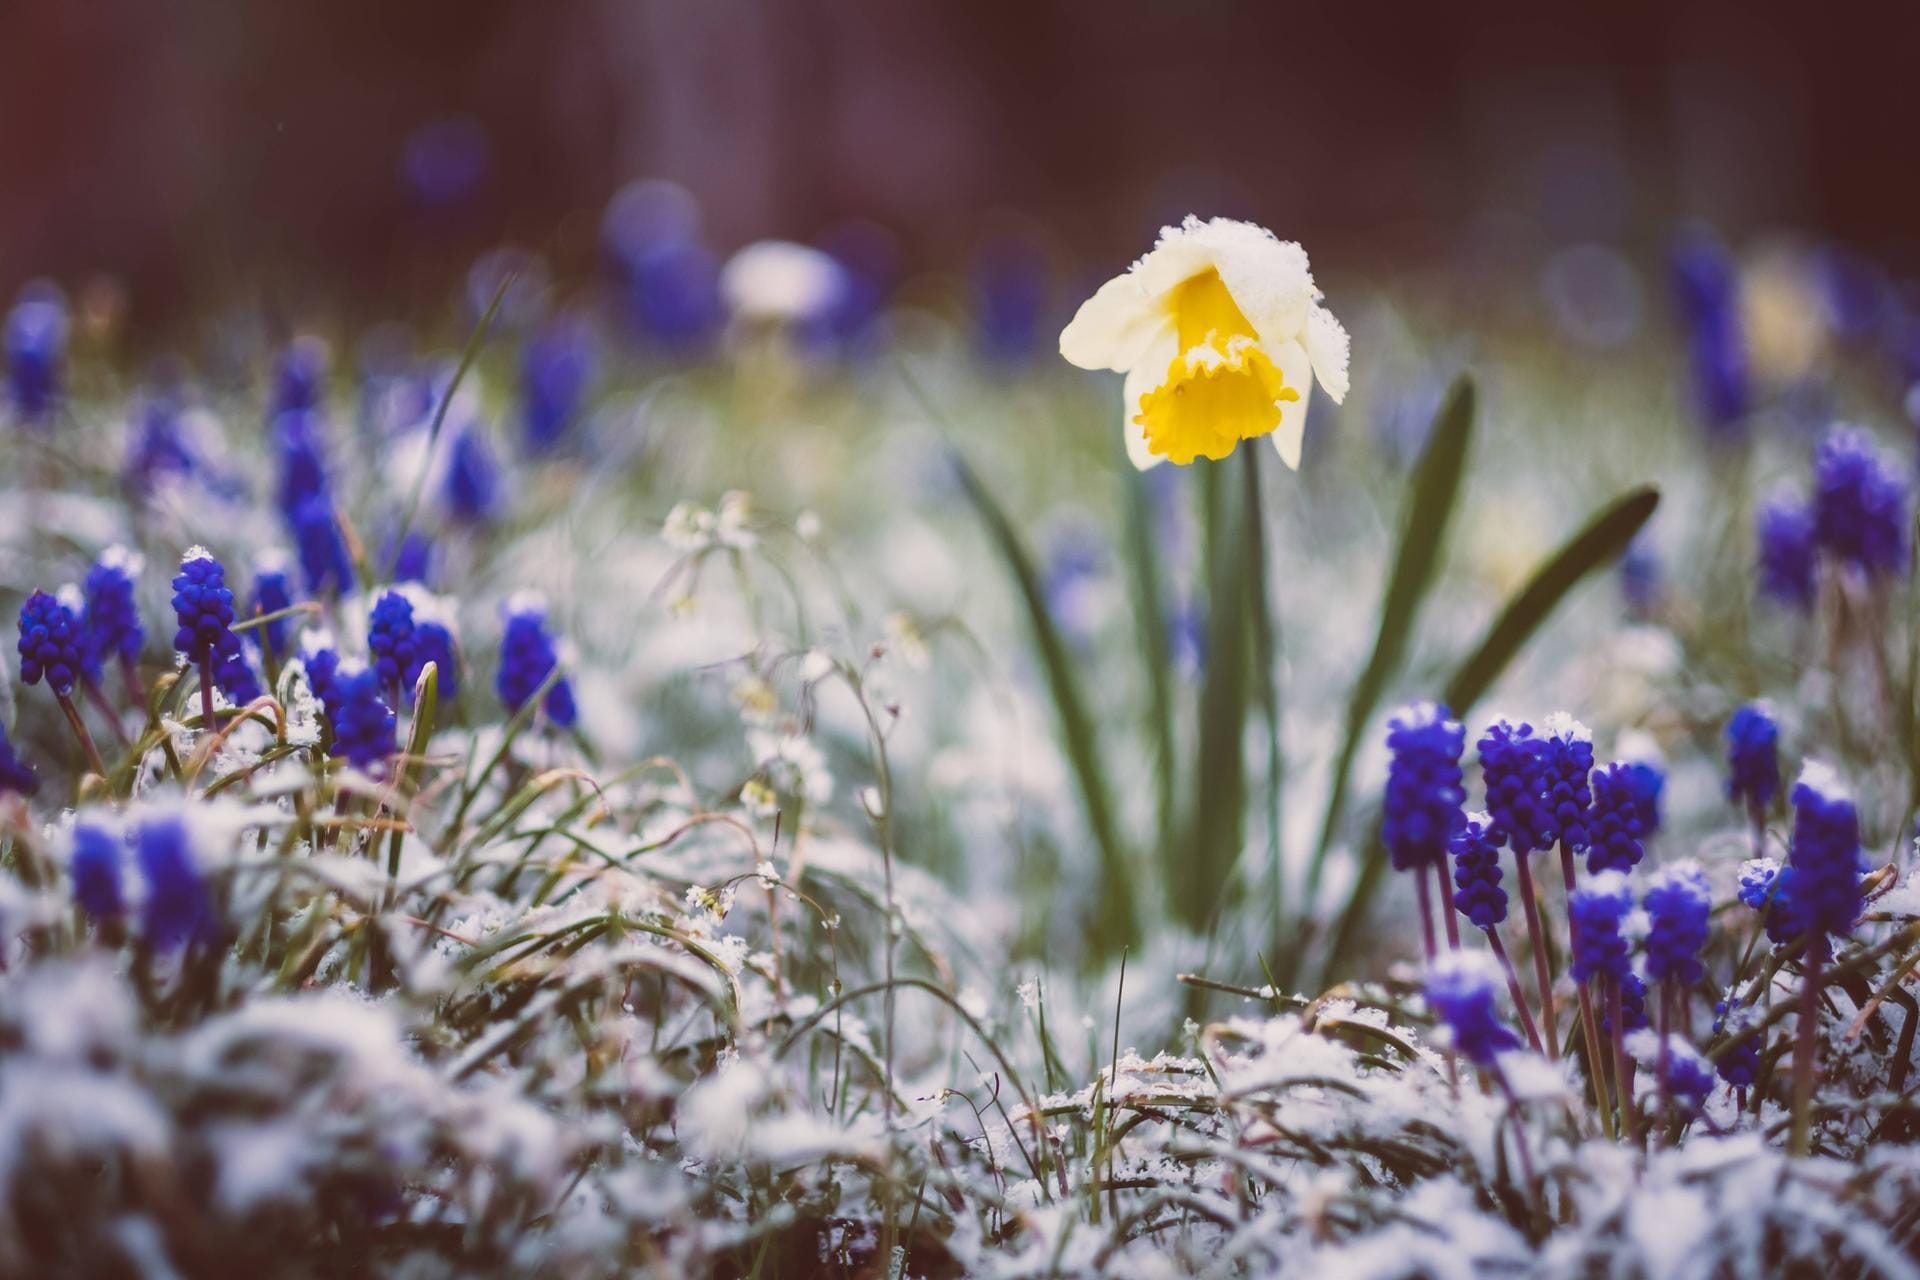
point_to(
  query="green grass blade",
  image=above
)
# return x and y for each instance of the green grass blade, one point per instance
(1119, 917)
(1433, 491)
(1599, 544)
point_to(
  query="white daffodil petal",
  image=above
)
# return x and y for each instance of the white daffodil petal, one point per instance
(1267, 276)
(1113, 327)
(1149, 373)
(1326, 342)
(1297, 369)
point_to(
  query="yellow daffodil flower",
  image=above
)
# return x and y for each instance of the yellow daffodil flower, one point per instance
(1221, 333)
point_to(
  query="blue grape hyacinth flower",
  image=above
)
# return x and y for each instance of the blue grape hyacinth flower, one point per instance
(1707, 289)
(1596, 913)
(1569, 768)
(272, 593)
(391, 643)
(111, 616)
(527, 655)
(1514, 767)
(1825, 861)
(1462, 988)
(324, 560)
(1788, 554)
(472, 488)
(1738, 1064)
(556, 376)
(16, 776)
(1615, 822)
(1860, 503)
(434, 642)
(1425, 792)
(36, 341)
(1686, 1077)
(320, 659)
(1679, 908)
(1753, 757)
(363, 726)
(203, 607)
(1476, 873)
(97, 868)
(50, 644)
(300, 376)
(177, 908)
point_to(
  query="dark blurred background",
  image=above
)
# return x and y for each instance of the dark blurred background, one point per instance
(362, 149)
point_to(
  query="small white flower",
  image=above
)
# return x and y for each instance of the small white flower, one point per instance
(1220, 333)
(731, 528)
(689, 527)
(779, 281)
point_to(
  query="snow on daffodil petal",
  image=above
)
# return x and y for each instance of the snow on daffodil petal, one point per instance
(1220, 333)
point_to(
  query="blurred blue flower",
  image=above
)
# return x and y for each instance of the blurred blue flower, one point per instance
(1462, 990)
(1739, 1064)
(324, 560)
(1011, 287)
(272, 593)
(473, 480)
(1678, 908)
(96, 867)
(433, 642)
(299, 378)
(1595, 913)
(556, 375)
(1825, 858)
(1640, 581)
(1860, 503)
(669, 284)
(159, 444)
(1688, 1077)
(1633, 1006)
(445, 162)
(1707, 289)
(1648, 780)
(363, 723)
(527, 655)
(177, 908)
(36, 343)
(1784, 529)
(414, 560)
(1753, 756)
(16, 777)
(111, 618)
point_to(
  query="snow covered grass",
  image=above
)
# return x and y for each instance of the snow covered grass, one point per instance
(955, 855)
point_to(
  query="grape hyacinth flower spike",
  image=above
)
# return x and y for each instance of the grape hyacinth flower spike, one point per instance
(1788, 562)
(16, 777)
(177, 909)
(1422, 807)
(527, 656)
(1479, 897)
(36, 344)
(391, 643)
(1860, 504)
(1678, 907)
(272, 594)
(97, 867)
(203, 606)
(1753, 764)
(112, 617)
(50, 650)
(1615, 821)
(363, 728)
(1822, 885)
(1514, 769)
